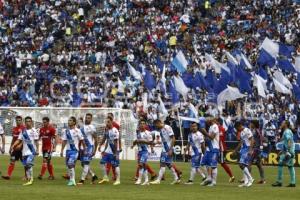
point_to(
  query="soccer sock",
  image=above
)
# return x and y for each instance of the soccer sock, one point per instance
(141, 171)
(114, 172)
(146, 175)
(29, 172)
(72, 174)
(117, 173)
(209, 174)
(280, 173)
(137, 172)
(227, 169)
(108, 167)
(50, 169)
(214, 174)
(85, 171)
(104, 168)
(192, 175)
(247, 173)
(292, 175)
(174, 173)
(261, 172)
(201, 171)
(161, 173)
(176, 169)
(44, 168)
(150, 170)
(10, 169)
(245, 177)
(92, 173)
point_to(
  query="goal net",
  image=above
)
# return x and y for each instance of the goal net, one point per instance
(59, 119)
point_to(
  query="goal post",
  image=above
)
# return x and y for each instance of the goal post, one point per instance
(59, 119)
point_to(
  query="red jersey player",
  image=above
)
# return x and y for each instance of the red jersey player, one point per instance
(223, 151)
(16, 154)
(48, 136)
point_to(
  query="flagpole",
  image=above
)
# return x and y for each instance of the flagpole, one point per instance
(181, 135)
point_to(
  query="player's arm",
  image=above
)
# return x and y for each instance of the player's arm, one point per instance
(16, 143)
(63, 145)
(187, 149)
(95, 143)
(251, 145)
(36, 142)
(102, 142)
(238, 147)
(205, 133)
(203, 147)
(114, 150)
(170, 153)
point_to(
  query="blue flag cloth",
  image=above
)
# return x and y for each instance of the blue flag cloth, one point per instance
(265, 59)
(199, 82)
(286, 65)
(188, 79)
(210, 79)
(286, 50)
(173, 92)
(262, 73)
(149, 80)
(296, 92)
(159, 63)
(180, 62)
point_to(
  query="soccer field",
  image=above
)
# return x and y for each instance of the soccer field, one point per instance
(57, 189)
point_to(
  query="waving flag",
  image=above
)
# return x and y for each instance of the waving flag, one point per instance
(280, 87)
(229, 94)
(216, 64)
(180, 86)
(286, 50)
(193, 110)
(265, 59)
(199, 82)
(261, 85)
(231, 59)
(285, 65)
(179, 62)
(297, 64)
(162, 107)
(160, 64)
(272, 48)
(188, 79)
(149, 80)
(282, 79)
(296, 92)
(136, 74)
(262, 73)
(173, 92)
(244, 62)
(163, 81)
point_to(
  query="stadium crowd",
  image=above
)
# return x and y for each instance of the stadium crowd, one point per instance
(79, 53)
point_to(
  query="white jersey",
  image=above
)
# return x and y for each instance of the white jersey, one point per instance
(1, 130)
(88, 132)
(73, 137)
(166, 134)
(145, 135)
(195, 140)
(112, 135)
(213, 144)
(28, 137)
(246, 134)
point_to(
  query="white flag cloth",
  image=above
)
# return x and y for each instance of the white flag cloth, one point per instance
(280, 87)
(229, 94)
(271, 47)
(162, 107)
(120, 86)
(297, 64)
(145, 101)
(242, 58)
(180, 86)
(278, 75)
(216, 64)
(136, 74)
(231, 59)
(261, 85)
(189, 119)
(180, 62)
(193, 109)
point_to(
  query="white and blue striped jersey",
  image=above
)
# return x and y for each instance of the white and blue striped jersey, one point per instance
(73, 137)
(166, 134)
(195, 140)
(145, 135)
(112, 135)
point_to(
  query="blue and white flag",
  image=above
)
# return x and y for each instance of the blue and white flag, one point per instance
(261, 85)
(180, 86)
(133, 72)
(179, 62)
(270, 47)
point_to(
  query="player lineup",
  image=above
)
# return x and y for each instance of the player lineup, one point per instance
(206, 146)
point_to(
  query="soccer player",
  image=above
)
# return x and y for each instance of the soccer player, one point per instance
(16, 154)
(196, 146)
(211, 155)
(73, 139)
(111, 151)
(286, 155)
(223, 151)
(90, 139)
(166, 158)
(257, 150)
(2, 147)
(245, 147)
(29, 137)
(143, 140)
(48, 137)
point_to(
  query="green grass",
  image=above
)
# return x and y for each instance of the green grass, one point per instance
(43, 190)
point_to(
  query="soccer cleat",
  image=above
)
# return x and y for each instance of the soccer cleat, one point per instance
(291, 185)
(241, 181)
(104, 180)
(250, 182)
(40, 177)
(211, 185)
(231, 179)
(189, 182)
(205, 182)
(28, 183)
(117, 182)
(51, 178)
(179, 175)
(94, 178)
(138, 182)
(261, 182)
(204, 178)
(6, 177)
(66, 176)
(81, 182)
(145, 183)
(175, 182)
(156, 182)
(153, 177)
(277, 184)
(242, 185)
(135, 178)
(71, 183)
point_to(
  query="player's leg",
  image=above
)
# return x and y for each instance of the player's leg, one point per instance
(214, 168)
(178, 171)
(162, 169)
(116, 165)
(103, 163)
(226, 168)
(28, 164)
(15, 156)
(151, 171)
(290, 164)
(169, 163)
(194, 169)
(260, 170)
(278, 182)
(50, 166)
(244, 165)
(71, 158)
(44, 165)
(204, 163)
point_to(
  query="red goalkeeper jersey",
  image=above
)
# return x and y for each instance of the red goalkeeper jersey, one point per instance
(47, 134)
(16, 132)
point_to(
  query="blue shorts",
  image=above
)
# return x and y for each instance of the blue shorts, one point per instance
(87, 155)
(245, 158)
(71, 157)
(196, 161)
(165, 158)
(142, 157)
(210, 159)
(109, 158)
(28, 161)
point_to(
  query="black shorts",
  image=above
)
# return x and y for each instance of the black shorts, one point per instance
(16, 155)
(47, 154)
